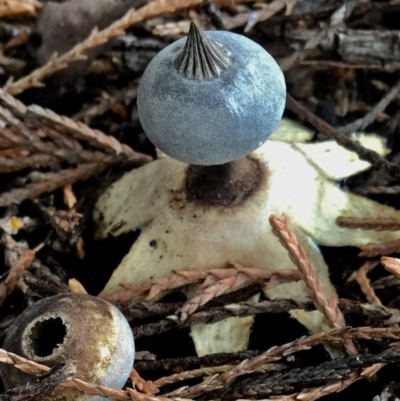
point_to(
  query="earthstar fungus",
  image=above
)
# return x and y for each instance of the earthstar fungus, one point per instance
(208, 213)
(86, 330)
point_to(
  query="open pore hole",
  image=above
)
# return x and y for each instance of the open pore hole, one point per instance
(46, 335)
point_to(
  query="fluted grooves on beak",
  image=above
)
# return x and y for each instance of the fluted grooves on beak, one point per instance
(201, 57)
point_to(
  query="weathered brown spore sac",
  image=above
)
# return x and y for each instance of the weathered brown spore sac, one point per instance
(57, 336)
(225, 185)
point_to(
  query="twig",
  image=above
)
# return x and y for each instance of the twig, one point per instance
(13, 66)
(144, 386)
(81, 131)
(371, 250)
(45, 288)
(106, 104)
(210, 371)
(369, 118)
(15, 106)
(31, 367)
(138, 310)
(17, 269)
(385, 282)
(285, 382)
(363, 281)
(366, 288)
(179, 278)
(392, 190)
(97, 38)
(51, 182)
(370, 223)
(363, 153)
(217, 284)
(192, 374)
(65, 134)
(213, 315)
(372, 311)
(41, 385)
(23, 364)
(315, 393)
(276, 353)
(191, 362)
(242, 309)
(392, 265)
(18, 133)
(314, 285)
(8, 165)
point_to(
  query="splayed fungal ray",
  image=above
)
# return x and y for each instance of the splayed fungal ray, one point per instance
(194, 237)
(201, 58)
(212, 207)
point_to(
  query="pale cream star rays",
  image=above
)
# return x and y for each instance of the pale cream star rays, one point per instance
(181, 235)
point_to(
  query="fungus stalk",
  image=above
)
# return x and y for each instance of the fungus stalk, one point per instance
(226, 184)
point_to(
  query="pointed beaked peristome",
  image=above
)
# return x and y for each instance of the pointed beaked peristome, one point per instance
(201, 58)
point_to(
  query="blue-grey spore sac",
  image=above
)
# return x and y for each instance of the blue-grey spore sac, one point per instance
(218, 120)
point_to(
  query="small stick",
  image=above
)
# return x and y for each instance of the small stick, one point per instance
(314, 287)
(51, 181)
(369, 118)
(370, 223)
(17, 269)
(392, 265)
(41, 385)
(298, 256)
(371, 250)
(276, 353)
(30, 367)
(179, 278)
(323, 127)
(192, 362)
(364, 283)
(242, 309)
(392, 190)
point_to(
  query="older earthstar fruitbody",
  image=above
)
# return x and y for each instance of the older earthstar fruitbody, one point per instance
(203, 217)
(211, 98)
(77, 328)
